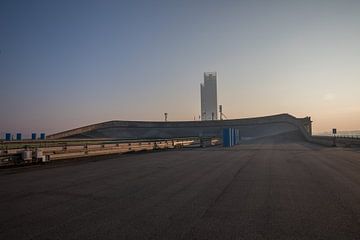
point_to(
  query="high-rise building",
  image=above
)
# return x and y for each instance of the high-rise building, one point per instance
(208, 92)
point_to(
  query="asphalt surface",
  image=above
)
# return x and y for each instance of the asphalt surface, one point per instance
(263, 190)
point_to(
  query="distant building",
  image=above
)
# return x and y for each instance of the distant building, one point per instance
(208, 91)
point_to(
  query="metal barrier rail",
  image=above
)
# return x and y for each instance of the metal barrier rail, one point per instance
(74, 149)
(348, 136)
(340, 136)
(4, 145)
(337, 141)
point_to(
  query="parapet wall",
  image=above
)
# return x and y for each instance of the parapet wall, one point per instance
(249, 128)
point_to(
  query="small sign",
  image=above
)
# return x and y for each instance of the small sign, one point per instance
(334, 130)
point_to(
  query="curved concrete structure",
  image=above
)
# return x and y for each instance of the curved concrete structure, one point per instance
(249, 128)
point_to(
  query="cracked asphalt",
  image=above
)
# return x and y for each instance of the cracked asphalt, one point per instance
(268, 189)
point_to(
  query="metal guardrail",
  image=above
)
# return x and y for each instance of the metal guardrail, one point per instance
(13, 153)
(4, 145)
(345, 141)
(348, 136)
(340, 136)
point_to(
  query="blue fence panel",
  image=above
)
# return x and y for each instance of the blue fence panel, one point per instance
(8, 136)
(231, 137)
(42, 136)
(226, 137)
(18, 136)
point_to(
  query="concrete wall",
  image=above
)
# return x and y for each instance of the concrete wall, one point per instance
(249, 128)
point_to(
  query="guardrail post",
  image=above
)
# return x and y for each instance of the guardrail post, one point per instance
(334, 141)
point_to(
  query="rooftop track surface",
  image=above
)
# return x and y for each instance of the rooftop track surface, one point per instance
(264, 189)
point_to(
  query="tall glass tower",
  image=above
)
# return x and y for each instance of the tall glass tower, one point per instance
(208, 92)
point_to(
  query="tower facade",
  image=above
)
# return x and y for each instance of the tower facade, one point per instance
(208, 92)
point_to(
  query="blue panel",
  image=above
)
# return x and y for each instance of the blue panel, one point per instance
(231, 137)
(42, 136)
(234, 137)
(18, 136)
(33, 136)
(234, 131)
(8, 136)
(226, 137)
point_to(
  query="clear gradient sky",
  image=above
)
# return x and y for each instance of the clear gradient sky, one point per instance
(65, 64)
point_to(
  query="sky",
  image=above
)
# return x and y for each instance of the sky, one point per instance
(66, 64)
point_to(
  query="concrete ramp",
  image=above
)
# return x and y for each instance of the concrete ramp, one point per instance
(249, 128)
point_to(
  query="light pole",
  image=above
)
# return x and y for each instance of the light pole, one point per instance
(334, 139)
